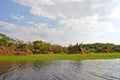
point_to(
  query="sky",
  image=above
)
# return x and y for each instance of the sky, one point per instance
(61, 22)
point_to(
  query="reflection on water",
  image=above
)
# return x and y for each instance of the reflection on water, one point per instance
(61, 70)
(5, 67)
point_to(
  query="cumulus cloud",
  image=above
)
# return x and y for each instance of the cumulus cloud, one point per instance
(81, 20)
(17, 17)
(7, 26)
(115, 12)
(30, 33)
(59, 9)
(86, 29)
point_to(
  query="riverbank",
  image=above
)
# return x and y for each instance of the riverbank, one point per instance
(61, 57)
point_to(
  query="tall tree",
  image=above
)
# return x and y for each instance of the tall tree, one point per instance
(4, 40)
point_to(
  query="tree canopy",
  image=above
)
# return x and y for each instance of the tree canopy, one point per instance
(45, 47)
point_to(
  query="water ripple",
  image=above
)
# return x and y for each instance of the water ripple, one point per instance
(62, 70)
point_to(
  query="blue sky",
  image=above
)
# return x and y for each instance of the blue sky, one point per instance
(61, 22)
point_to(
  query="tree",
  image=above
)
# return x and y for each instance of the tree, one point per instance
(4, 40)
(58, 49)
(42, 46)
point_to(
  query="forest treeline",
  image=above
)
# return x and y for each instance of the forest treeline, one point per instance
(41, 47)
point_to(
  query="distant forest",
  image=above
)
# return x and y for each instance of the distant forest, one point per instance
(9, 46)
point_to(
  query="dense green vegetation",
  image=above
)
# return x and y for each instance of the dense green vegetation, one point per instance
(61, 57)
(46, 51)
(4, 40)
(94, 47)
(40, 47)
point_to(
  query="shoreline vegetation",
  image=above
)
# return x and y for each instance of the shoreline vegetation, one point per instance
(11, 49)
(36, 57)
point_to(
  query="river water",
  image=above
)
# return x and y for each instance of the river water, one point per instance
(61, 70)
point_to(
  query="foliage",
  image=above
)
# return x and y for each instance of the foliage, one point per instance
(58, 49)
(44, 47)
(40, 45)
(4, 40)
(70, 47)
(94, 47)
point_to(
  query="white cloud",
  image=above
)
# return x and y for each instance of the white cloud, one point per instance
(40, 12)
(59, 8)
(82, 20)
(115, 12)
(69, 1)
(97, 6)
(30, 22)
(86, 29)
(34, 2)
(30, 33)
(45, 2)
(17, 17)
(115, 0)
(16, 31)
(7, 26)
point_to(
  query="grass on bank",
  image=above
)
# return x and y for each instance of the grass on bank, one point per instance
(61, 57)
